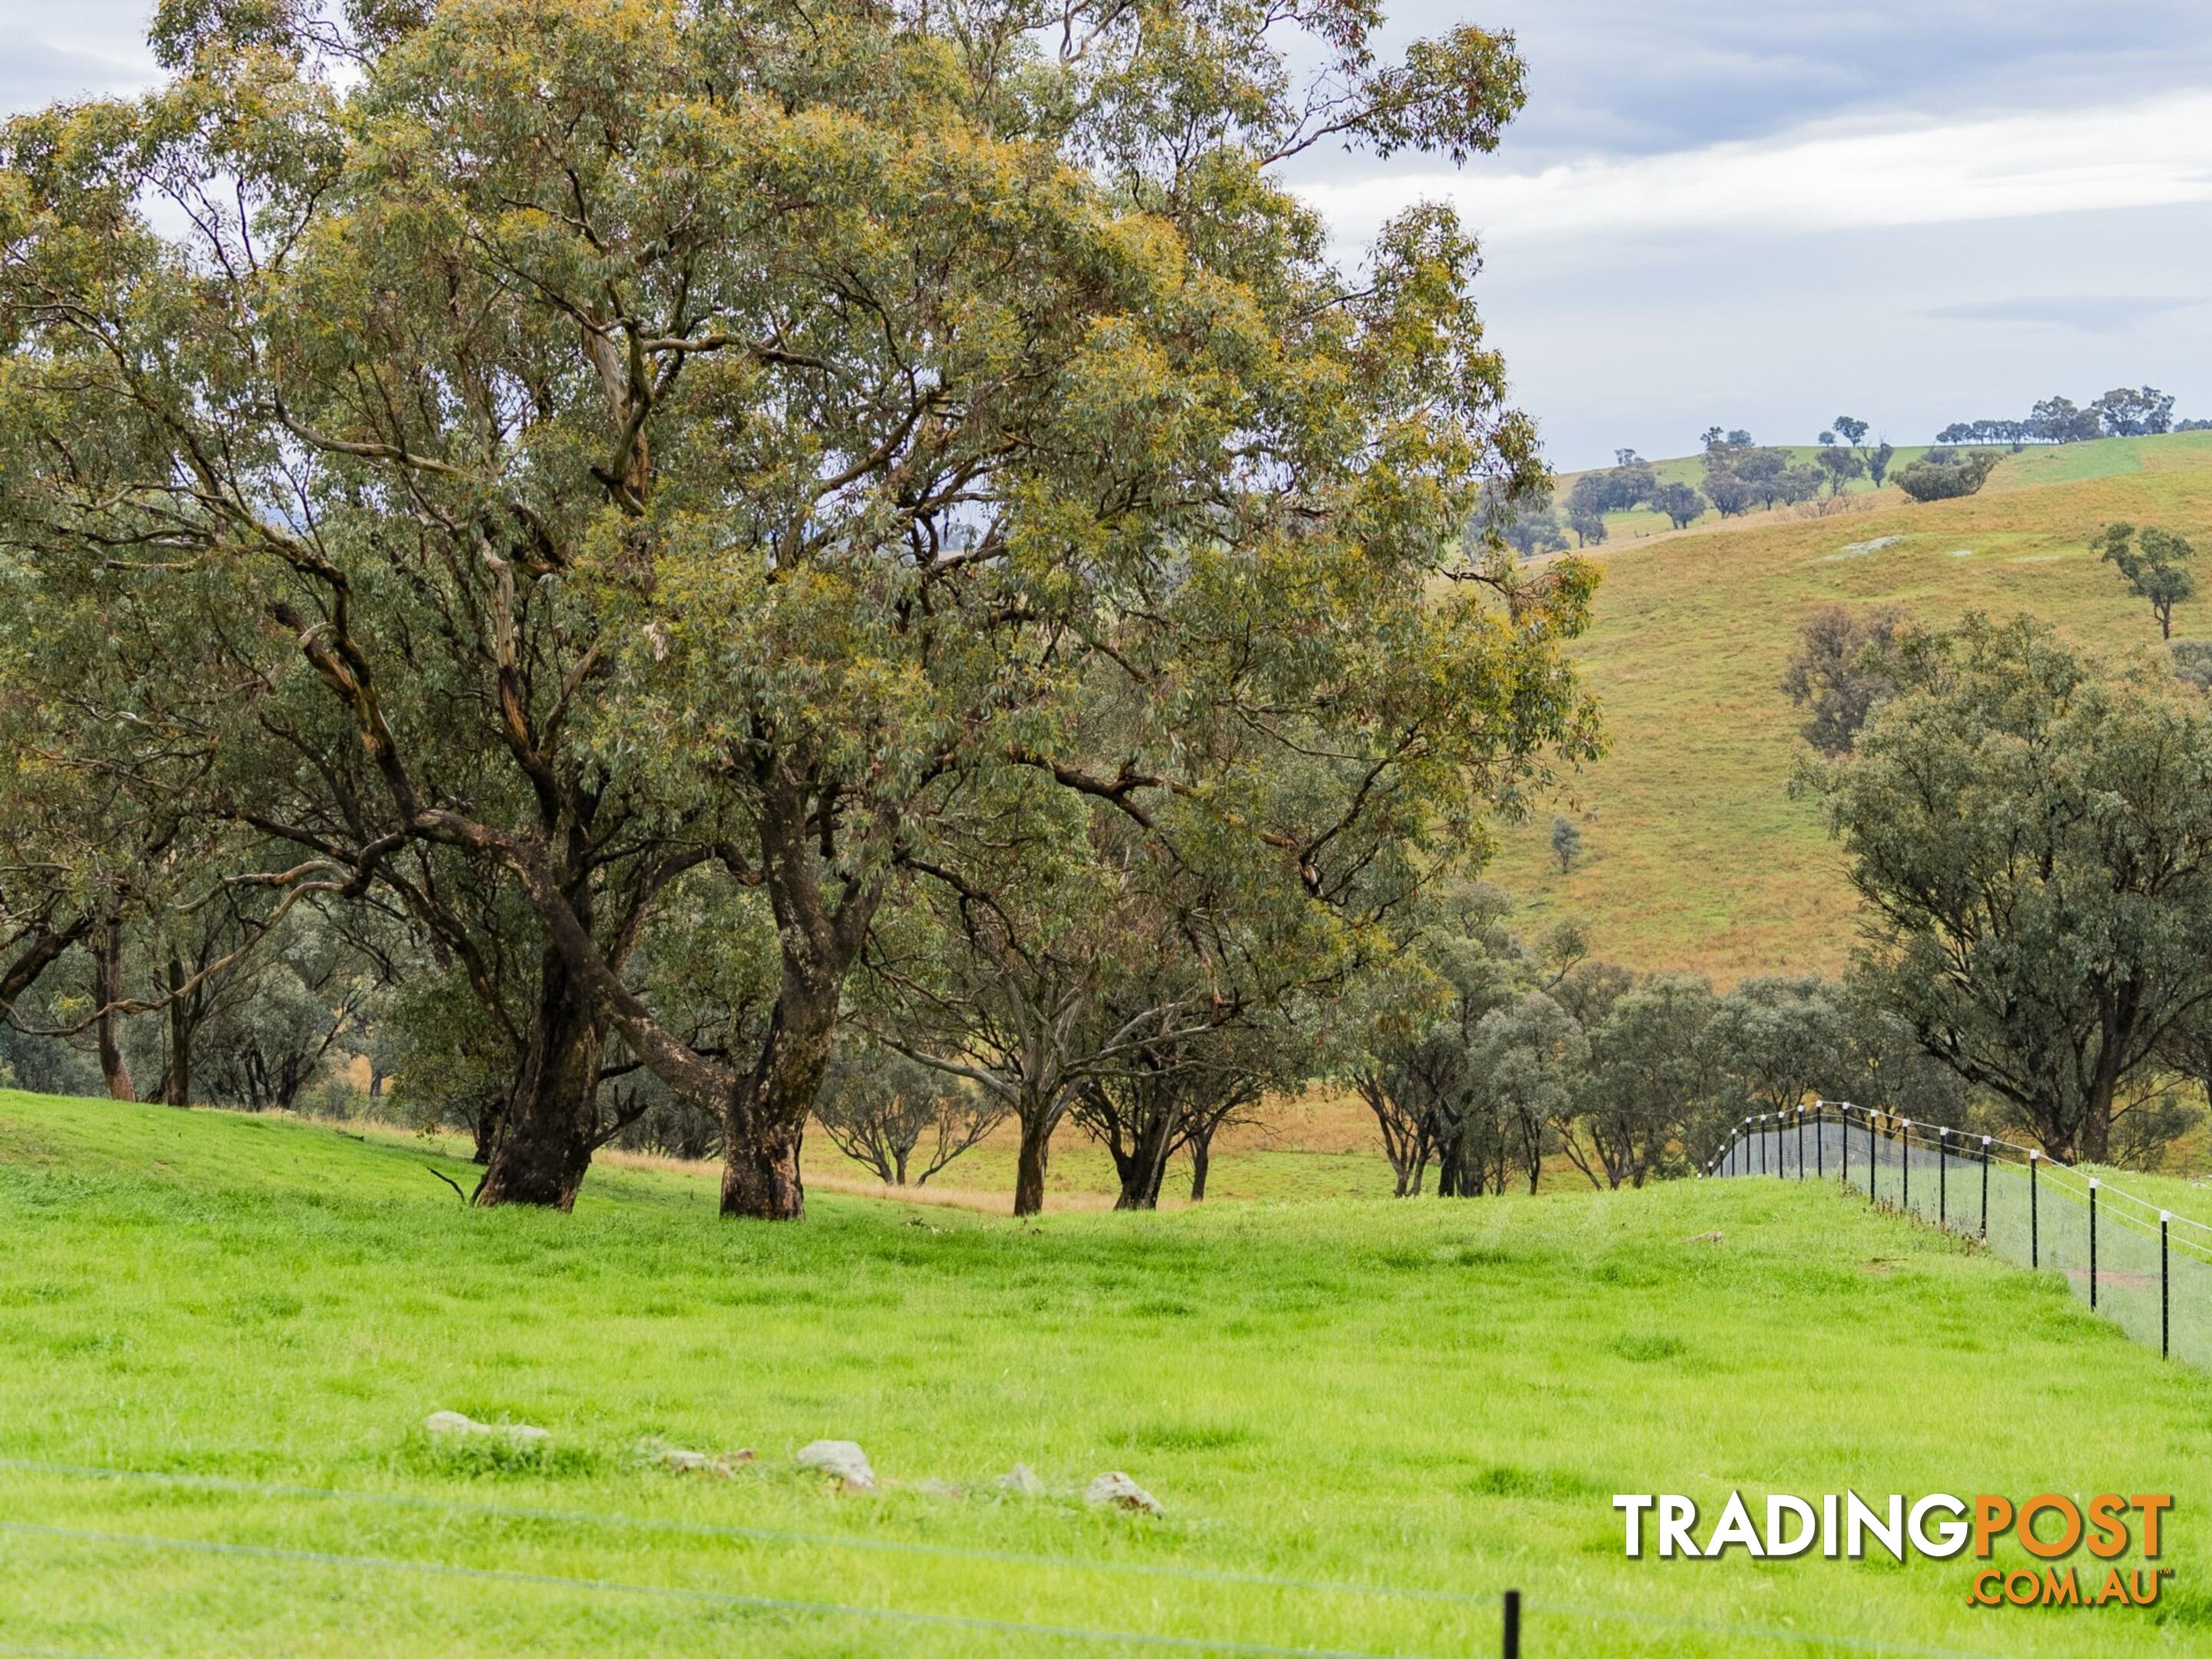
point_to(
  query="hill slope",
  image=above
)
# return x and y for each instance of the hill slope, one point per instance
(221, 1336)
(1695, 856)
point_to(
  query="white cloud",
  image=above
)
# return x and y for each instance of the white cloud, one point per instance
(2153, 153)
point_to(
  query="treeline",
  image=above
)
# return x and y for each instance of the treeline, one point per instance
(624, 594)
(1740, 475)
(2123, 412)
(1504, 1057)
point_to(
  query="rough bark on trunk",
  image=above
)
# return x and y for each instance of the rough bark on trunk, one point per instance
(1143, 1169)
(1028, 1168)
(1200, 1153)
(761, 1179)
(177, 1088)
(107, 992)
(765, 1120)
(2093, 1139)
(545, 1146)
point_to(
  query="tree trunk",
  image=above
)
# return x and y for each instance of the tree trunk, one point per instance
(760, 1161)
(107, 992)
(1200, 1153)
(489, 1122)
(543, 1147)
(764, 1118)
(2093, 1140)
(1144, 1169)
(177, 1089)
(1028, 1168)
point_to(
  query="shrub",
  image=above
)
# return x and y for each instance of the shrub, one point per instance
(1931, 479)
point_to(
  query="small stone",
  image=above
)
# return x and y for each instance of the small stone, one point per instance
(1116, 1489)
(843, 1458)
(698, 1462)
(1022, 1481)
(519, 1434)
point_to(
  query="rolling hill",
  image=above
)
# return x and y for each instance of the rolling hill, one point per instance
(1694, 855)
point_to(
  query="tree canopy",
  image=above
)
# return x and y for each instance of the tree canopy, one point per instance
(585, 473)
(2033, 841)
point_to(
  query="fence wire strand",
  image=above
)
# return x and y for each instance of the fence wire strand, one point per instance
(800, 1606)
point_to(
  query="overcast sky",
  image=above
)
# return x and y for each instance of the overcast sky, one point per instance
(1759, 213)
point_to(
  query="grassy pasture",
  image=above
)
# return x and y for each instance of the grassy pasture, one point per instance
(1694, 854)
(1434, 1397)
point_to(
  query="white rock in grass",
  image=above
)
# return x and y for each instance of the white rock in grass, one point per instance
(1116, 1488)
(519, 1434)
(1022, 1481)
(843, 1458)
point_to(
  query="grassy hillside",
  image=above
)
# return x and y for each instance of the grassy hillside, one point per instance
(1695, 857)
(253, 1317)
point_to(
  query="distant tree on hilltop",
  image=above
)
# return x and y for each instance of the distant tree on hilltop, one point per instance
(1842, 465)
(1739, 472)
(1944, 474)
(1587, 503)
(2137, 412)
(1681, 503)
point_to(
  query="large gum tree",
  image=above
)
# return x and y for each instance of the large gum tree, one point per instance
(623, 445)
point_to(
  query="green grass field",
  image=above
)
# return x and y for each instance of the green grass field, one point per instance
(1695, 857)
(1431, 1401)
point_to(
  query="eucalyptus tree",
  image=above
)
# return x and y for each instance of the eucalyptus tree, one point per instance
(878, 1105)
(621, 444)
(1417, 1008)
(1045, 954)
(1653, 1076)
(2155, 567)
(2033, 837)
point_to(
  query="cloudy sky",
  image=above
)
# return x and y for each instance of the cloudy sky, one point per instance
(1759, 213)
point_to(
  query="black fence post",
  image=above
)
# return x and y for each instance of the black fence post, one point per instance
(2093, 1243)
(2034, 1217)
(1821, 1141)
(1800, 1143)
(1874, 1158)
(1512, 1648)
(1985, 1186)
(2163, 1217)
(1905, 1151)
(1843, 1134)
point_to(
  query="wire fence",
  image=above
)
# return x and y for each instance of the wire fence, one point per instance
(2145, 1268)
